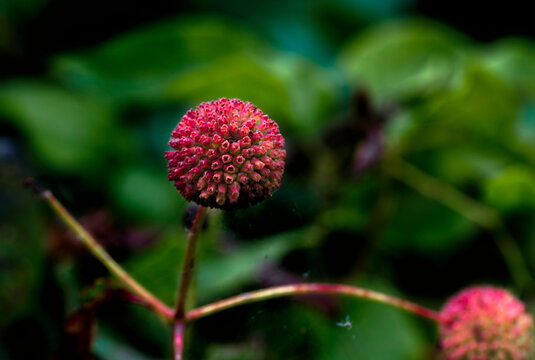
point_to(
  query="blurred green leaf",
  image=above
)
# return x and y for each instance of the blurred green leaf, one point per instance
(313, 93)
(289, 89)
(218, 275)
(478, 116)
(145, 193)
(64, 129)
(511, 189)
(378, 332)
(158, 268)
(404, 58)
(513, 60)
(137, 64)
(226, 274)
(483, 106)
(200, 59)
(422, 225)
(238, 75)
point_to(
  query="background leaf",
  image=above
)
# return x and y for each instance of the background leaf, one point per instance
(404, 58)
(63, 129)
(511, 189)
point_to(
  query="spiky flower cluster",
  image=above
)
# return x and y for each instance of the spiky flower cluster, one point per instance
(227, 154)
(485, 323)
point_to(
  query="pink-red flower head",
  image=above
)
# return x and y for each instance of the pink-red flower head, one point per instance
(227, 154)
(485, 323)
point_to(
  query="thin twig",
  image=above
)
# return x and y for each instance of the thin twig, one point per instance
(98, 251)
(305, 288)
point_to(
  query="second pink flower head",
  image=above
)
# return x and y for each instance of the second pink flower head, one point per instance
(486, 323)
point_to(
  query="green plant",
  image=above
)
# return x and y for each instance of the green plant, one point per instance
(228, 154)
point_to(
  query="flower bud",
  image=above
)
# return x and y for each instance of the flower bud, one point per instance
(485, 323)
(216, 149)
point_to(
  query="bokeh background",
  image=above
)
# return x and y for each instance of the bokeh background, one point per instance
(410, 129)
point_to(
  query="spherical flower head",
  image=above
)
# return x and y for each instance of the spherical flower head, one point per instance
(485, 323)
(226, 154)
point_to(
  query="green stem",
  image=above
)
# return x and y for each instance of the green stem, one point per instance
(189, 262)
(319, 288)
(474, 211)
(185, 282)
(98, 251)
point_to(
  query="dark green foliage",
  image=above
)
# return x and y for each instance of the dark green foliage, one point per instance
(95, 125)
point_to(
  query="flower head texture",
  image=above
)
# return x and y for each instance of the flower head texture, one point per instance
(485, 323)
(226, 154)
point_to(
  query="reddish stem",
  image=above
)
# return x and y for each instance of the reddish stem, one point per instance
(98, 251)
(322, 288)
(178, 338)
(185, 281)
